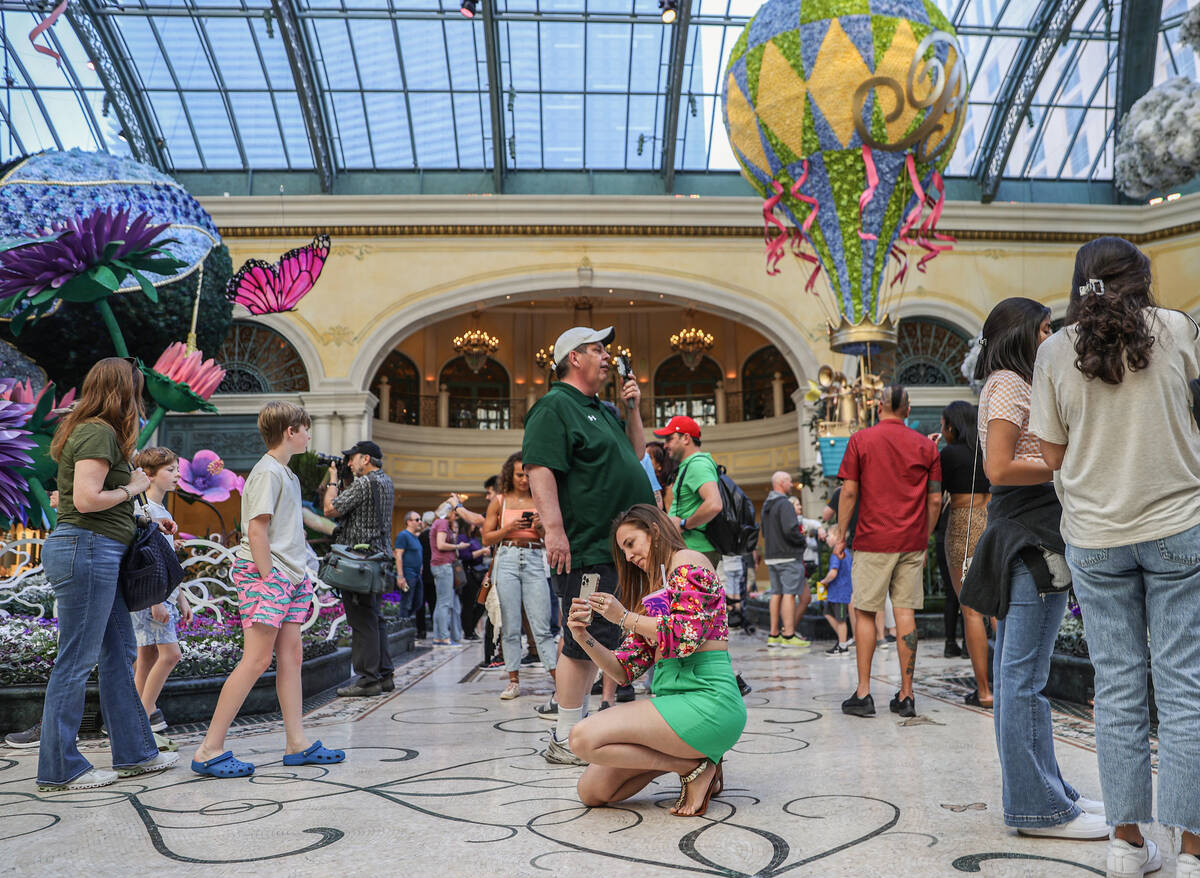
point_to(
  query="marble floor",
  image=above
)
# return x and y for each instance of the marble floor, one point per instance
(443, 779)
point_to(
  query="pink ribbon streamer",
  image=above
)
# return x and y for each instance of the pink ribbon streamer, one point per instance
(44, 25)
(929, 229)
(775, 241)
(914, 215)
(869, 193)
(800, 236)
(898, 253)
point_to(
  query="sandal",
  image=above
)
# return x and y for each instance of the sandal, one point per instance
(973, 700)
(718, 778)
(224, 765)
(315, 755)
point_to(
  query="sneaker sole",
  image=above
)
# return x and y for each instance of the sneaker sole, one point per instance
(158, 727)
(123, 773)
(1049, 832)
(54, 788)
(30, 746)
(562, 760)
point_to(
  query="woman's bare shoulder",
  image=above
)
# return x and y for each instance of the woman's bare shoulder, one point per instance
(692, 558)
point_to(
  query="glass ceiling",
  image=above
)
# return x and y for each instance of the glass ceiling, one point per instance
(581, 85)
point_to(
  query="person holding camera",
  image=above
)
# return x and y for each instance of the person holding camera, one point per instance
(366, 507)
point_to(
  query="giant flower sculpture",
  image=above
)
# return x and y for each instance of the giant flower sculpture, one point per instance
(15, 444)
(206, 477)
(181, 381)
(40, 473)
(83, 260)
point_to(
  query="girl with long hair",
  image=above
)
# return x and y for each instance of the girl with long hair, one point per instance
(1114, 413)
(519, 571)
(1018, 575)
(93, 446)
(964, 479)
(697, 713)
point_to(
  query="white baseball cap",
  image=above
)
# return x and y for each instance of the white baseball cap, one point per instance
(579, 335)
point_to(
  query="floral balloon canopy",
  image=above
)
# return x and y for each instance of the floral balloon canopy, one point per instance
(842, 113)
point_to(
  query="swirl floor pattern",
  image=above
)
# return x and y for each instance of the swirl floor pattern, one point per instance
(443, 778)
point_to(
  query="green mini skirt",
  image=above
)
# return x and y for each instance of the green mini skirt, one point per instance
(699, 698)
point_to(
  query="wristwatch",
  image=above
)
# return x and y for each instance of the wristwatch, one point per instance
(683, 524)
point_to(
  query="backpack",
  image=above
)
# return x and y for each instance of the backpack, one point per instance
(733, 531)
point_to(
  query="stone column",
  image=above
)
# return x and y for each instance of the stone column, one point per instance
(777, 395)
(443, 407)
(720, 395)
(321, 433)
(385, 400)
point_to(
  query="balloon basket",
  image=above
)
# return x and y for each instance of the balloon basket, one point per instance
(832, 441)
(865, 338)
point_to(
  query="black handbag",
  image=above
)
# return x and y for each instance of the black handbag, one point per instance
(150, 570)
(351, 571)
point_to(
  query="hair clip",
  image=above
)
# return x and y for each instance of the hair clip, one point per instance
(1095, 286)
(983, 342)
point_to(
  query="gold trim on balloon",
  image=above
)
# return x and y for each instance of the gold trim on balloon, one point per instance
(947, 97)
(881, 335)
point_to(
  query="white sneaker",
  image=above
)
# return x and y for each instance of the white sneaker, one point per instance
(1085, 827)
(89, 780)
(1091, 806)
(511, 691)
(1187, 866)
(160, 762)
(1127, 861)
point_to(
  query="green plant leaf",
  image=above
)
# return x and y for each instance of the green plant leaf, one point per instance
(104, 276)
(144, 282)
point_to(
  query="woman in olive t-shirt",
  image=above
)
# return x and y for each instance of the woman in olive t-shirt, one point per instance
(82, 560)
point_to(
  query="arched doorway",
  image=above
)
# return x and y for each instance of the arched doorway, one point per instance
(758, 378)
(258, 359)
(679, 390)
(930, 353)
(478, 400)
(404, 389)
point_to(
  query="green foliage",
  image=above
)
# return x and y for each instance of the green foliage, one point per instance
(790, 47)
(310, 471)
(883, 31)
(818, 10)
(67, 343)
(753, 70)
(739, 48)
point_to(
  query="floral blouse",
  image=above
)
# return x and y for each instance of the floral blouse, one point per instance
(695, 613)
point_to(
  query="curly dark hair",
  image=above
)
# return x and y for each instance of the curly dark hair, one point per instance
(1010, 338)
(506, 473)
(1113, 330)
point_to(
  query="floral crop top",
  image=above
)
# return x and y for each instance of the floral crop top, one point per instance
(694, 613)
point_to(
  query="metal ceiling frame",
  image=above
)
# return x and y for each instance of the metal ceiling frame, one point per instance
(491, 47)
(679, 44)
(1052, 22)
(304, 74)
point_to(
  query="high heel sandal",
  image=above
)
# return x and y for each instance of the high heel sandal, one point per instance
(718, 778)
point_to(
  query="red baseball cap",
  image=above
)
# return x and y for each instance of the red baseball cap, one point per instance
(680, 424)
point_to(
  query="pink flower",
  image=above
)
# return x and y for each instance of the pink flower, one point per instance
(206, 476)
(200, 375)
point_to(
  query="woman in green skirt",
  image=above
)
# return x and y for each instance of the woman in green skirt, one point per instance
(676, 623)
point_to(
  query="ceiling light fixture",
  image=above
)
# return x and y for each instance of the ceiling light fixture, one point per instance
(476, 346)
(468, 8)
(669, 9)
(692, 344)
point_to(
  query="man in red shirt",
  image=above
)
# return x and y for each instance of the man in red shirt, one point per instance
(893, 475)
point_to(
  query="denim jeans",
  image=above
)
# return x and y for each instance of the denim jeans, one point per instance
(520, 575)
(447, 614)
(1034, 794)
(1124, 592)
(94, 626)
(414, 598)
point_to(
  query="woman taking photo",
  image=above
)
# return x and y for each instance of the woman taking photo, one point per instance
(1113, 410)
(82, 560)
(519, 572)
(697, 713)
(1018, 575)
(964, 479)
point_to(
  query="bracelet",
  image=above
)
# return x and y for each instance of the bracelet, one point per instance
(128, 496)
(621, 624)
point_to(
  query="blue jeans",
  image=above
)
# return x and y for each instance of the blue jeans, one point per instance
(1035, 794)
(93, 626)
(520, 575)
(1124, 592)
(447, 614)
(414, 598)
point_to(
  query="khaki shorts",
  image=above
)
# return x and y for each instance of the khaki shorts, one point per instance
(878, 574)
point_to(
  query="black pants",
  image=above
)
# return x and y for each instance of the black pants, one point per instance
(368, 646)
(423, 614)
(472, 610)
(950, 613)
(489, 642)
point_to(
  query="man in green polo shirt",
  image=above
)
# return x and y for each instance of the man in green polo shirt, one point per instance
(697, 495)
(584, 470)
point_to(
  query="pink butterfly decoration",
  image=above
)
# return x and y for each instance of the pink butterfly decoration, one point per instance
(271, 289)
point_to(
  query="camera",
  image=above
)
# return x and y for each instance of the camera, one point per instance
(624, 367)
(345, 476)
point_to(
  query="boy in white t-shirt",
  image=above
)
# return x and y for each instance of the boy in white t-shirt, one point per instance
(272, 607)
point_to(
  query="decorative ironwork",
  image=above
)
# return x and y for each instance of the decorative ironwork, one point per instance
(692, 344)
(929, 353)
(257, 359)
(476, 346)
(307, 90)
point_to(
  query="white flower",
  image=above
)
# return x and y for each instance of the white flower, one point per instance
(1158, 145)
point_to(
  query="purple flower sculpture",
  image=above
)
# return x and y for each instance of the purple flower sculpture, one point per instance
(83, 260)
(15, 442)
(206, 477)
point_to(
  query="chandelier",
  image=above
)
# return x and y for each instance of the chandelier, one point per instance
(476, 346)
(691, 344)
(545, 357)
(618, 350)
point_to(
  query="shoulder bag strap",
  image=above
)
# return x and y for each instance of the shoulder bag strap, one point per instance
(971, 510)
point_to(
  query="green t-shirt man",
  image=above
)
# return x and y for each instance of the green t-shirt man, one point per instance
(598, 475)
(694, 472)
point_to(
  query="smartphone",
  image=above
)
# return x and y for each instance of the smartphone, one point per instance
(588, 584)
(527, 516)
(624, 367)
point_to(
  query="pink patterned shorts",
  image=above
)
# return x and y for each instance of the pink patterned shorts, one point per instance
(272, 601)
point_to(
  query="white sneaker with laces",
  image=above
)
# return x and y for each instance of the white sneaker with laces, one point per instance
(1091, 806)
(1187, 866)
(560, 753)
(89, 780)
(1127, 861)
(161, 762)
(1084, 827)
(511, 691)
